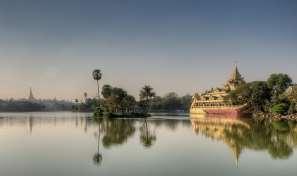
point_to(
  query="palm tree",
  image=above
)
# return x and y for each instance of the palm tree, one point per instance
(146, 94)
(97, 75)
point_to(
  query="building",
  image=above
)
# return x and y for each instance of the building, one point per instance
(216, 101)
(31, 96)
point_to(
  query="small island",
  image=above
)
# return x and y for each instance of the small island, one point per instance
(272, 99)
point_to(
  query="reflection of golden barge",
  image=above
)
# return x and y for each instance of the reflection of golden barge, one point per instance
(214, 101)
(220, 128)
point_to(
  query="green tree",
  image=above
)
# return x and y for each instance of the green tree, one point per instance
(260, 96)
(146, 95)
(278, 83)
(171, 102)
(106, 91)
(280, 108)
(129, 103)
(97, 75)
(186, 102)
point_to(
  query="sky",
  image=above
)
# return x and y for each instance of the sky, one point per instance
(184, 46)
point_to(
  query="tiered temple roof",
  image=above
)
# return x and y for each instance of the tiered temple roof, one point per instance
(235, 80)
(217, 96)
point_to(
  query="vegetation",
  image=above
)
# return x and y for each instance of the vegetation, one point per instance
(37, 105)
(267, 96)
(146, 95)
(117, 100)
(171, 103)
(278, 138)
(97, 75)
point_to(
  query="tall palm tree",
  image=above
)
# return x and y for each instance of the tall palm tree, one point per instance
(97, 75)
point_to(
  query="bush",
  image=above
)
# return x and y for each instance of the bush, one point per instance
(280, 108)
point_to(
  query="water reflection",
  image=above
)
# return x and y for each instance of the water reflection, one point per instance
(147, 136)
(278, 138)
(97, 158)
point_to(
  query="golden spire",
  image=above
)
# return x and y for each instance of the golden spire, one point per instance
(235, 80)
(31, 96)
(235, 74)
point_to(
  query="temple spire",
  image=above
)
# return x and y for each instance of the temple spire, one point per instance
(235, 79)
(31, 96)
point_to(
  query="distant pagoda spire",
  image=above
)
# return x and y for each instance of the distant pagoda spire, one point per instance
(31, 96)
(235, 79)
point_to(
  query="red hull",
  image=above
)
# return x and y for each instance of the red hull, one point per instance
(224, 112)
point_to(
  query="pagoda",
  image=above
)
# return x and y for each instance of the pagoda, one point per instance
(235, 80)
(216, 101)
(31, 96)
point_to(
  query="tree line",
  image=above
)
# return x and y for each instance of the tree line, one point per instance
(270, 96)
(118, 100)
(37, 105)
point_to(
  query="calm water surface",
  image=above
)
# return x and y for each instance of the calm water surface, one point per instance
(70, 144)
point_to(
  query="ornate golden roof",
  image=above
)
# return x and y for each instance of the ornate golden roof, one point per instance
(235, 79)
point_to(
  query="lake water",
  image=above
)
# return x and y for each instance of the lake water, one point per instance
(70, 144)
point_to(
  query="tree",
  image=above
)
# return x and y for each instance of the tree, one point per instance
(280, 108)
(171, 102)
(97, 75)
(146, 95)
(260, 96)
(128, 103)
(106, 91)
(186, 102)
(118, 95)
(278, 83)
(117, 100)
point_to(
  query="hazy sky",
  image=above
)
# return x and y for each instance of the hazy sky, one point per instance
(173, 45)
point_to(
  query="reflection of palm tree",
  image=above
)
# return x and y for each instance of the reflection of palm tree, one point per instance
(147, 138)
(97, 158)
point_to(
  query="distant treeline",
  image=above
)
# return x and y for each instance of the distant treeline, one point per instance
(171, 102)
(37, 105)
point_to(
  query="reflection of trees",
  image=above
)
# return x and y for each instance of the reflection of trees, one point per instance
(116, 131)
(278, 138)
(97, 158)
(147, 137)
(31, 124)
